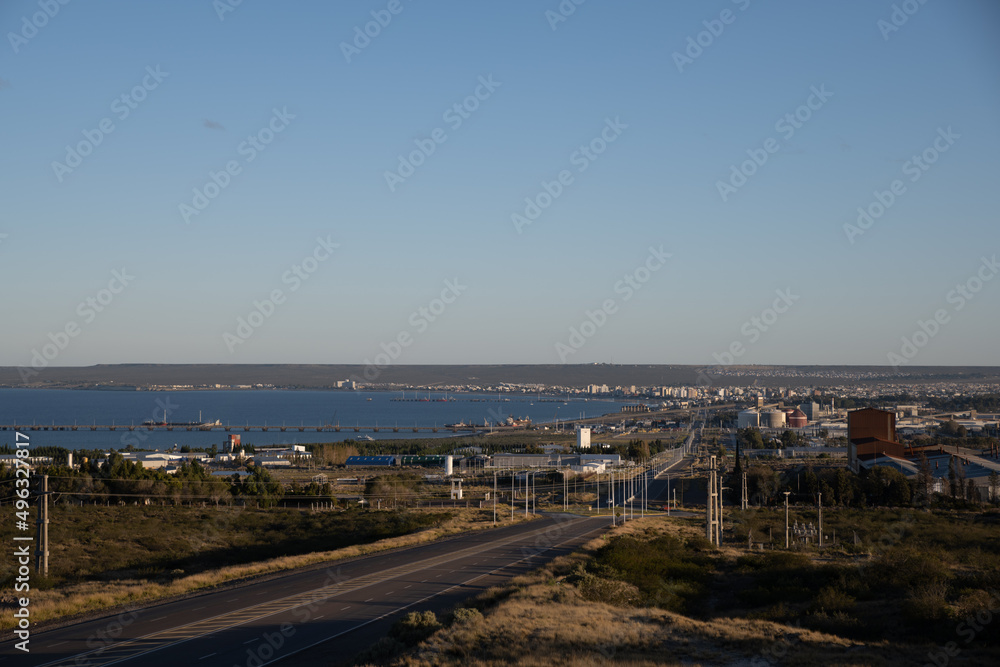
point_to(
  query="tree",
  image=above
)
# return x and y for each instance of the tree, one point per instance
(887, 486)
(762, 484)
(260, 483)
(953, 491)
(810, 483)
(971, 492)
(924, 477)
(846, 486)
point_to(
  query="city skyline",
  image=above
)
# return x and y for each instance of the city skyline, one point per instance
(734, 183)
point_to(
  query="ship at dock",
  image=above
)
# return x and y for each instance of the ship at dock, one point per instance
(197, 424)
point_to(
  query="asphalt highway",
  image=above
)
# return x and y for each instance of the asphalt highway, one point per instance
(315, 616)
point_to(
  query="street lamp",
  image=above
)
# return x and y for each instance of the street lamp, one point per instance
(786, 518)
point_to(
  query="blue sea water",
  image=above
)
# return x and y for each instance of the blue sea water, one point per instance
(273, 408)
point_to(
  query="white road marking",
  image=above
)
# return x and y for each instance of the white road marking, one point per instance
(347, 607)
(206, 656)
(252, 641)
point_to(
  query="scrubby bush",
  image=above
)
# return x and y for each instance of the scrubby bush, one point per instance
(415, 627)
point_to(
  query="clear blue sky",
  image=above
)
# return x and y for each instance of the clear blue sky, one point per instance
(521, 290)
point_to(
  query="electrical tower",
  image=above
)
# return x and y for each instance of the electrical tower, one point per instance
(42, 550)
(713, 506)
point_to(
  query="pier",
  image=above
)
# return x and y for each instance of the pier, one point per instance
(326, 428)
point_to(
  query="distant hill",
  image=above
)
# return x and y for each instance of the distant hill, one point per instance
(577, 375)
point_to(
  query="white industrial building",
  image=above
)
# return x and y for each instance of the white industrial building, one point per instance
(583, 438)
(748, 419)
(772, 419)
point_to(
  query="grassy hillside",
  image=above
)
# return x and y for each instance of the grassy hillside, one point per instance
(655, 592)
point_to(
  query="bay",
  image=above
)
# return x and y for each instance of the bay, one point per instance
(273, 408)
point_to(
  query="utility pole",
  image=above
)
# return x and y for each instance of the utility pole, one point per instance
(494, 497)
(669, 502)
(712, 504)
(611, 497)
(819, 503)
(527, 495)
(42, 550)
(743, 492)
(786, 518)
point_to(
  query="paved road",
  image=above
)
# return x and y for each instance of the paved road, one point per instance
(310, 617)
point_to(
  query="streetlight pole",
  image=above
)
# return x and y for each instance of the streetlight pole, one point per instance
(494, 497)
(611, 497)
(819, 503)
(786, 518)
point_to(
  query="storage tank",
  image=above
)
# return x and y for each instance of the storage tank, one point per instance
(796, 418)
(449, 465)
(773, 419)
(748, 419)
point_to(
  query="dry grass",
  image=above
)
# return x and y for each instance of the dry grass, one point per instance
(88, 597)
(544, 619)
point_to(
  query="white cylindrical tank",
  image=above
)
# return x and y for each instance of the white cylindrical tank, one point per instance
(69, 463)
(774, 418)
(449, 465)
(748, 419)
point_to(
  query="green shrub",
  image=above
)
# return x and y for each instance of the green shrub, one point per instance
(927, 605)
(415, 627)
(381, 652)
(466, 616)
(832, 600)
